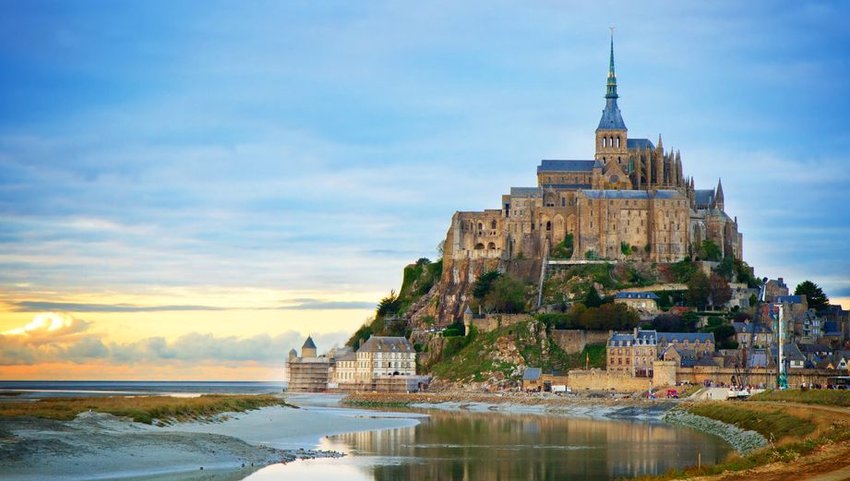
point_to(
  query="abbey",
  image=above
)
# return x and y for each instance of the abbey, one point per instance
(631, 201)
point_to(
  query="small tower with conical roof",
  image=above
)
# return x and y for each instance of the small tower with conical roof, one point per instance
(309, 348)
(612, 134)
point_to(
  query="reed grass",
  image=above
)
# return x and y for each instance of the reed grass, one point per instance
(142, 409)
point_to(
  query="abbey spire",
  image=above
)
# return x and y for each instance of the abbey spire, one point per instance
(611, 92)
(611, 134)
(718, 196)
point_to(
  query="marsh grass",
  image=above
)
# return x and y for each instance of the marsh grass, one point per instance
(775, 424)
(826, 397)
(142, 409)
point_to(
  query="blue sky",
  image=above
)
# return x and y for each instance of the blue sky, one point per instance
(205, 158)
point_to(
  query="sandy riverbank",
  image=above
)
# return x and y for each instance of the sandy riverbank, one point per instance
(539, 403)
(101, 446)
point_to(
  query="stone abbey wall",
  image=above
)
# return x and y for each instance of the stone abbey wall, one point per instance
(573, 341)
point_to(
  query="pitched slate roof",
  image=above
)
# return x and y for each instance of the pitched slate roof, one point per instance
(815, 349)
(309, 343)
(704, 197)
(525, 192)
(611, 119)
(636, 295)
(386, 344)
(631, 194)
(568, 186)
(831, 328)
(547, 165)
(757, 328)
(758, 358)
(790, 351)
(639, 144)
(531, 374)
(706, 361)
(348, 356)
(680, 337)
(789, 299)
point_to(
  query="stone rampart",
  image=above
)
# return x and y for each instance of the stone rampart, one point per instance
(573, 341)
(600, 379)
(491, 322)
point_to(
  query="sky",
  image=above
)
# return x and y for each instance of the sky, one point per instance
(188, 189)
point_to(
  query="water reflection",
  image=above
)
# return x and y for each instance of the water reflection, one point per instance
(479, 446)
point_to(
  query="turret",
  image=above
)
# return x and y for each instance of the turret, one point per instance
(679, 175)
(718, 196)
(611, 134)
(309, 348)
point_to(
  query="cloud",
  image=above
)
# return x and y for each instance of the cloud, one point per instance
(313, 304)
(55, 337)
(49, 326)
(29, 306)
(303, 304)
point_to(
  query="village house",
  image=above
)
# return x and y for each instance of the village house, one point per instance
(382, 363)
(702, 343)
(632, 352)
(645, 303)
(761, 334)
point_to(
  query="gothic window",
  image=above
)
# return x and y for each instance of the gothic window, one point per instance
(603, 141)
(480, 226)
(479, 246)
(563, 202)
(493, 225)
(548, 225)
(491, 245)
(618, 142)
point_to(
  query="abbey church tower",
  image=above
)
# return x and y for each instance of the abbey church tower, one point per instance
(612, 134)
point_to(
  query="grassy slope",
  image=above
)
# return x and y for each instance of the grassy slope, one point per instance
(826, 397)
(142, 409)
(473, 358)
(793, 433)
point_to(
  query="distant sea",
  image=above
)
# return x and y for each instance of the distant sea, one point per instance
(17, 390)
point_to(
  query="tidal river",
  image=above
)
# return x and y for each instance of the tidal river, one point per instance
(500, 446)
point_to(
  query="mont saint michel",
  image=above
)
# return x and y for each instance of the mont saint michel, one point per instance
(380, 241)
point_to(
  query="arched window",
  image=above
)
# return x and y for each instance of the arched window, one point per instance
(548, 225)
(603, 141)
(493, 224)
(479, 246)
(491, 245)
(618, 142)
(610, 141)
(480, 226)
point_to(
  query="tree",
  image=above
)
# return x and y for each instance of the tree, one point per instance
(613, 315)
(710, 251)
(484, 283)
(720, 293)
(592, 298)
(388, 305)
(727, 267)
(683, 270)
(564, 249)
(699, 288)
(507, 295)
(814, 295)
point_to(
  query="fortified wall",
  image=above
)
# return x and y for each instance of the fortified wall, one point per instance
(573, 341)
